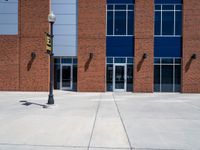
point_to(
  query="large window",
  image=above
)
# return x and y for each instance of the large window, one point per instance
(120, 20)
(168, 20)
(167, 74)
(8, 17)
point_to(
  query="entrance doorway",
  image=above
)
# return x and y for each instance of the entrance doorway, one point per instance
(66, 76)
(119, 77)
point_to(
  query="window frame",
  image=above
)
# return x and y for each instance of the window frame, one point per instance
(161, 10)
(127, 17)
(176, 61)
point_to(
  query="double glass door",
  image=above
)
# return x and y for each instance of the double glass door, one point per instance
(66, 77)
(119, 76)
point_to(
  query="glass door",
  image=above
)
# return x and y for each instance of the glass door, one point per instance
(66, 77)
(119, 76)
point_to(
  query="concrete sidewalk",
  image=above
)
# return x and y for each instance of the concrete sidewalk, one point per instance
(99, 121)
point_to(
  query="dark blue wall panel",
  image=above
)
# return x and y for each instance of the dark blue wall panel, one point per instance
(168, 1)
(120, 1)
(120, 46)
(167, 47)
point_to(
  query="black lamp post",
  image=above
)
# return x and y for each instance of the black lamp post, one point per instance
(51, 19)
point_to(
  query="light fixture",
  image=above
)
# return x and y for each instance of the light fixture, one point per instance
(51, 17)
(144, 56)
(194, 56)
(91, 55)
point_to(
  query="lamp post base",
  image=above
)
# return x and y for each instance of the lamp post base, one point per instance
(50, 100)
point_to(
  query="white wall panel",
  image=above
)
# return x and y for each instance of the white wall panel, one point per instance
(66, 19)
(64, 8)
(8, 17)
(64, 40)
(65, 51)
(65, 28)
(63, 1)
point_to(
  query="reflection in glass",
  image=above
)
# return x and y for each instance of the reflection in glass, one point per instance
(66, 76)
(119, 77)
(109, 77)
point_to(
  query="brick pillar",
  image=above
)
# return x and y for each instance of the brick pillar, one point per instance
(144, 44)
(33, 22)
(191, 45)
(91, 39)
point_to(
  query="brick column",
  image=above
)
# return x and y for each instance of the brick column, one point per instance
(33, 22)
(191, 45)
(91, 39)
(144, 44)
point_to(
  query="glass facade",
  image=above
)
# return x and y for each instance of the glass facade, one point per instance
(120, 19)
(167, 74)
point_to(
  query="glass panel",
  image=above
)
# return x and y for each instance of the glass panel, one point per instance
(120, 7)
(168, 7)
(130, 7)
(56, 60)
(130, 23)
(130, 78)
(56, 76)
(130, 60)
(75, 77)
(66, 76)
(167, 60)
(158, 7)
(109, 23)
(120, 60)
(109, 7)
(178, 7)
(177, 61)
(168, 23)
(110, 60)
(120, 23)
(109, 77)
(167, 78)
(75, 61)
(178, 23)
(156, 60)
(157, 78)
(66, 60)
(119, 77)
(157, 25)
(177, 78)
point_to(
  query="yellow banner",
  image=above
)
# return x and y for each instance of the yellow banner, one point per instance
(48, 42)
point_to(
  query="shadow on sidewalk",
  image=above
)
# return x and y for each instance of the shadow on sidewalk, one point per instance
(26, 103)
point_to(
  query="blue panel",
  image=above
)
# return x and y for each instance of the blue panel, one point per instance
(120, 46)
(168, 1)
(120, 1)
(167, 47)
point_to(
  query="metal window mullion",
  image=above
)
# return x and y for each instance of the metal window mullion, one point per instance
(113, 19)
(161, 20)
(160, 75)
(126, 19)
(106, 19)
(174, 20)
(173, 74)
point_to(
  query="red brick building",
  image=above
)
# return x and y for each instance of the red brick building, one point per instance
(101, 45)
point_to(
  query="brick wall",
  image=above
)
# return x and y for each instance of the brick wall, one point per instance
(144, 43)
(34, 74)
(9, 63)
(18, 71)
(91, 39)
(191, 45)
